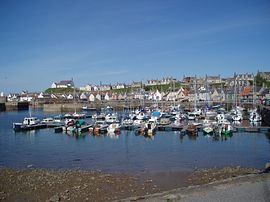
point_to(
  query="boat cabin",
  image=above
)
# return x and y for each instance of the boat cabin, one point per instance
(30, 121)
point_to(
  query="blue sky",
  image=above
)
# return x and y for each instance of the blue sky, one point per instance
(124, 41)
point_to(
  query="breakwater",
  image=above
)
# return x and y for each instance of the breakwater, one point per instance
(9, 106)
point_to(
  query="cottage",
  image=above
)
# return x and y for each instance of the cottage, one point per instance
(105, 87)
(91, 97)
(53, 96)
(25, 98)
(157, 96)
(119, 86)
(98, 97)
(121, 97)
(87, 87)
(215, 96)
(107, 96)
(152, 82)
(213, 79)
(83, 97)
(167, 80)
(63, 84)
(70, 97)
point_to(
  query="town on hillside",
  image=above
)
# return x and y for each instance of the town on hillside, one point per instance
(208, 88)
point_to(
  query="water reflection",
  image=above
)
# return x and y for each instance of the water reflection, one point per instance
(267, 135)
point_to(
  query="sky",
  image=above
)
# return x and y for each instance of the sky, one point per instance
(112, 41)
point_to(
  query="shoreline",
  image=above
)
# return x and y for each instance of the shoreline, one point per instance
(79, 185)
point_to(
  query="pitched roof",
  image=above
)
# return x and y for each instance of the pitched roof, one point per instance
(246, 91)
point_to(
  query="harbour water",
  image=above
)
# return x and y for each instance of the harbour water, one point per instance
(126, 153)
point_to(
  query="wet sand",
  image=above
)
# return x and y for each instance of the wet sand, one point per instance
(76, 185)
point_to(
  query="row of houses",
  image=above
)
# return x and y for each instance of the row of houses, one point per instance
(182, 94)
(241, 80)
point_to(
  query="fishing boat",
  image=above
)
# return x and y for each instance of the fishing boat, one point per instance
(208, 130)
(69, 125)
(255, 117)
(226, 130)
(192, 129)
(208, 127)
(164, 121)
(86, 108)
(99, 127)
(111, 118)
(191, 116)
(113, 128)
(29, 123)
(147, 129)
(151, 127)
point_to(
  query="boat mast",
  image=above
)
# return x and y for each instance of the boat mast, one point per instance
(235, 99)
(253, 97)
(195, 86)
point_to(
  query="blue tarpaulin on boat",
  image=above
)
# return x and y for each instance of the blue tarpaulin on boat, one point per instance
(156, 114)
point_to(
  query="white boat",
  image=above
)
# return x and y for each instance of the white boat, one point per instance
(223, 121)
(237, 117)
(141, 116)
(86, 108)
(48, 120)
(255, 117)
(27, 122)
(151, 127)
(127, 122)
(220, 117)
(78, 115)
(138, 122)
(113, 128)
(69, 125)
(111, 118)
(191, 116)
(208, 130)
(197, 112)
(211, 114)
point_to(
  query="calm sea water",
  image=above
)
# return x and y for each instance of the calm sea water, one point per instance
(168, 151)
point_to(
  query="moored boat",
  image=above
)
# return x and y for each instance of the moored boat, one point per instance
(29, 123)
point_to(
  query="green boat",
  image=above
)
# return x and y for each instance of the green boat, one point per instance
(227, 133)
(227, 130)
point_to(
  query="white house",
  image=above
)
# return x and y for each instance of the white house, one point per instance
(40, 96)
(26, 98)
(83, 96)
(91, 97)
(121, 97)
(119, 86)
(107, 97)
(105, 87)
(152, 82)
(167, 80)
(63, 84)
(215, 96)
(87, 87)
(53, 96)
(98, 96)
(63, 96)
(157, 96)
(70, 97)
